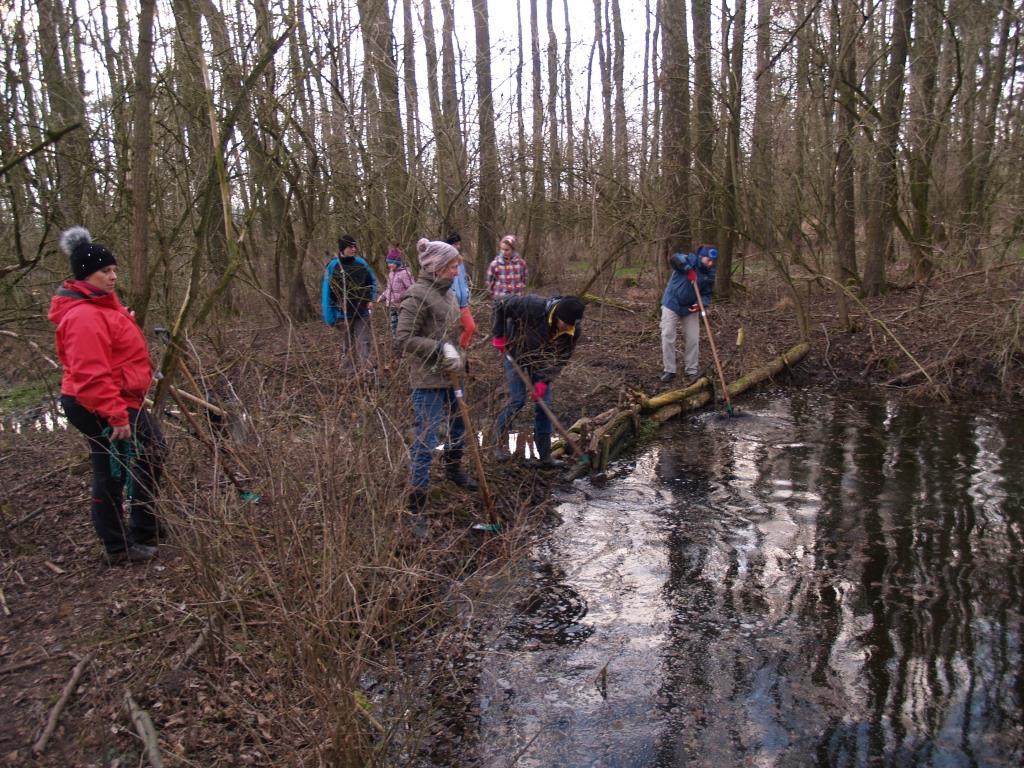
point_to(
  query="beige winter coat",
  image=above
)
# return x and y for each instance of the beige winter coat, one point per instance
(427, 317)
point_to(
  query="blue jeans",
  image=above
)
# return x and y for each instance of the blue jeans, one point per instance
(431, 408)
(517, 395)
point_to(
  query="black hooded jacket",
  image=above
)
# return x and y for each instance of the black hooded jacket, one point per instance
(527, 323)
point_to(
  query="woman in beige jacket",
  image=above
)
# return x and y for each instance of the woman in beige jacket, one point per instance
(427, 335)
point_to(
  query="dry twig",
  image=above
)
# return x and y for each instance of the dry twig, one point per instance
(51, 722)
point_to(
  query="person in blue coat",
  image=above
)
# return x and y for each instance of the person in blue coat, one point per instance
(679, 302)
(348, 288)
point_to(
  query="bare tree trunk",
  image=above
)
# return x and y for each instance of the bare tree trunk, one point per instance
(554, 142)
(535, 222)
(570, 142)
(675, 130)
(138, 253)
(734, 104)
(60, 83)
(455, 152)
(879, 237)
(412, 111)
(386, 134)
(487, 230)
(521, 168)
(618, 55)
(977, 210)
(704, 144)
(762, 195)
(923, 129)
(210, 238)
(845, 211)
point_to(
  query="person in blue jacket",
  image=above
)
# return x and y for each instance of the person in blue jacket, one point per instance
(348, 288)
(461, 287)
(679, 302)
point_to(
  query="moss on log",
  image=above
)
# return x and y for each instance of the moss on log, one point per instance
(609, 434)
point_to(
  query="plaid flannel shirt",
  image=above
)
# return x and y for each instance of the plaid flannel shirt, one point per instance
(506, 277)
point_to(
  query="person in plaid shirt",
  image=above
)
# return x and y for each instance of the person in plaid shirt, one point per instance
(506, 275)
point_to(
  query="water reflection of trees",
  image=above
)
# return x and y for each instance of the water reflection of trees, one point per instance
(846, 589)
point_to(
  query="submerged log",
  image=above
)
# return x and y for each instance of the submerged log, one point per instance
(607, 435)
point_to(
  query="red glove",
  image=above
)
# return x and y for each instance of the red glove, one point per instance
(499, 342)
(539, 390)
(468, 327)
(694, 308)
(691, 275)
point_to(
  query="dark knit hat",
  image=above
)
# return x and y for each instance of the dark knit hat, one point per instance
(569, 310)
(453, 238)
(85, 256)
(346, 241)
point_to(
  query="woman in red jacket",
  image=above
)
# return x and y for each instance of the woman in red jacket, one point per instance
(107, 373)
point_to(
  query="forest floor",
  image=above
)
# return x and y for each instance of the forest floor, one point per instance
(136, 625)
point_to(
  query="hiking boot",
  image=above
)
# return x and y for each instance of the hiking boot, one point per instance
(135, 553)
(454, 472)
(150, 538)
(456, 475)
(666, 377)
(417, 501)
(549, 463)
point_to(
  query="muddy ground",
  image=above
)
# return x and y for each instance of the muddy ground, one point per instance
(137, 625)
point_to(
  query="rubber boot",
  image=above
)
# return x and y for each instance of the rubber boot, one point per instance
(544, 458)
(454, 472)
(501, 454)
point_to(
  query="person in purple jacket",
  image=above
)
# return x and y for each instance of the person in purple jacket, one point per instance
(399, 281)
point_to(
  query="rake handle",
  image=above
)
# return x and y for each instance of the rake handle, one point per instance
(714, 349)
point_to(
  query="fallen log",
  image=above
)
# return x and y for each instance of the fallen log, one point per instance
(614, 432)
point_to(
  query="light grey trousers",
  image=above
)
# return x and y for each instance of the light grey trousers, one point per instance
(691, 336)
(355, 342)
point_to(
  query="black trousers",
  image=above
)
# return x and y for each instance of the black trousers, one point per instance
(144, 469)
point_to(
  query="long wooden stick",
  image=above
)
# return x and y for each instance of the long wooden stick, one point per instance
(474, 449)
(51, 722)
(714, 349)
(566, 434)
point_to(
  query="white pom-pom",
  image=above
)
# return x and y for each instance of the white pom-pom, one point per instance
(72, 238)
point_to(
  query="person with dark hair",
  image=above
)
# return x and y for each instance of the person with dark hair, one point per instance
(107, 373)
(427, 325)
(538, 335)
(690, 271)
(349, 286)
(461, 287)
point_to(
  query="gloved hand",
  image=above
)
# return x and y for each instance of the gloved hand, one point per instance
(694, 308)
(468, 327)
(540, 388)
(691, 275)
(452, 357)
(499, 343)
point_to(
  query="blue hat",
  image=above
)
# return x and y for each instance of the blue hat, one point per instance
(708, 250)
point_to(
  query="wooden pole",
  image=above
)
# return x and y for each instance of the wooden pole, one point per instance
(714, 349)
(474, 448)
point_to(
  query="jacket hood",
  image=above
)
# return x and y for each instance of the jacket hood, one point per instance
(72, 293)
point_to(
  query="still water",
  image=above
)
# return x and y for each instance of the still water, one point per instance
(822, 581)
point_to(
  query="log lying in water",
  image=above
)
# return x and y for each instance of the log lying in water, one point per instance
(608, 434)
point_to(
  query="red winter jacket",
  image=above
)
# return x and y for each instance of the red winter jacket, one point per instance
(104, 354)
